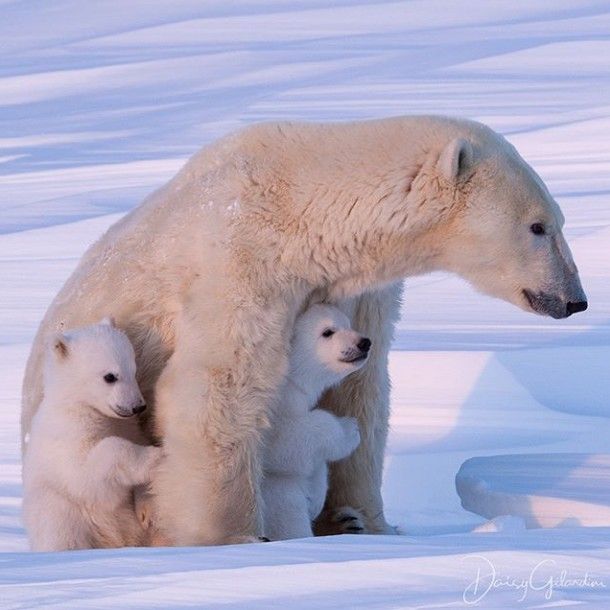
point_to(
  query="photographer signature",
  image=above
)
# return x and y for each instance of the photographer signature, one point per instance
(539, 580)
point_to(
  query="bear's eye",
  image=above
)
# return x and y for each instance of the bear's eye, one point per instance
(110, 378)
(329, 332)
(538, 229)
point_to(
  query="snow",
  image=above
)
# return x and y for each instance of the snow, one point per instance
(544, 490)
(350, 572)
(101, 102)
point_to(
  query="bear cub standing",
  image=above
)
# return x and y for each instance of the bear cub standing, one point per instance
(86, 456)
(302, 439)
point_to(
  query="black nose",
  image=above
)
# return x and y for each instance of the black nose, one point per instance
(364, 344)
(138, 409)
(576, 307)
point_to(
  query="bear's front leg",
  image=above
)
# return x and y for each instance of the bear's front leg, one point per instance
(212, 402)
(356, 481)
(206, 486)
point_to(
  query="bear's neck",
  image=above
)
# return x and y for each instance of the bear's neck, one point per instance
(360, 232)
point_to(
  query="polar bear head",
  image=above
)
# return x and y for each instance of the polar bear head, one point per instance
(504, 230)
(325, 348)
(94, 366)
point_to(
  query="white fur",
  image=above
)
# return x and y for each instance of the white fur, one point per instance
(215, 266)
(85, 454)
(303, 439)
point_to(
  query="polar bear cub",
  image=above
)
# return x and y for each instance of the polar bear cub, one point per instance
(302, 439)
(86, 455)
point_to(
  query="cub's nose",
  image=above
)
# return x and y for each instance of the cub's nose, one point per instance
(576, 307)
(364, 344)
(137, 410)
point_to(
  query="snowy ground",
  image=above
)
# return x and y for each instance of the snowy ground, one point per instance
(102, 101)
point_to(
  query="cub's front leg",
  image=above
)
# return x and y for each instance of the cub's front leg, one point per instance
(338, 438)
(115, 462)
(332, 437)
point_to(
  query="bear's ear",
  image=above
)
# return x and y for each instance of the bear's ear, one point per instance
(60, 346)
(455, 159)
(108, 321)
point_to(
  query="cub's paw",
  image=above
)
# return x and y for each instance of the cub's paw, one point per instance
(344, 520)
(152, 457)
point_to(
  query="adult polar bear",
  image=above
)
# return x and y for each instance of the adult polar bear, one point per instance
(208, 274)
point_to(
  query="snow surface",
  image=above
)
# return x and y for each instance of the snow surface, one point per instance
(100, 102)
(544, 490)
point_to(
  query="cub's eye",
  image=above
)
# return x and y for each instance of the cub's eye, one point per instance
(110, 378)
(329, 332)
(538, 229)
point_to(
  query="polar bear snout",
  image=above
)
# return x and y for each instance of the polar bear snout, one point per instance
(131, 410)
(576, 307)
(125, 399)
(123, 412)
(358, 352)
(552, 305)
(364, 345)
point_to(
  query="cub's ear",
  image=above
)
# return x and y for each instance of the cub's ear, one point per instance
(455, 159)
(60, 347)
(108, 321)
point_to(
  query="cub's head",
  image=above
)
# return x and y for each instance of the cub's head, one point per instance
(325, 348)
(95, 366)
